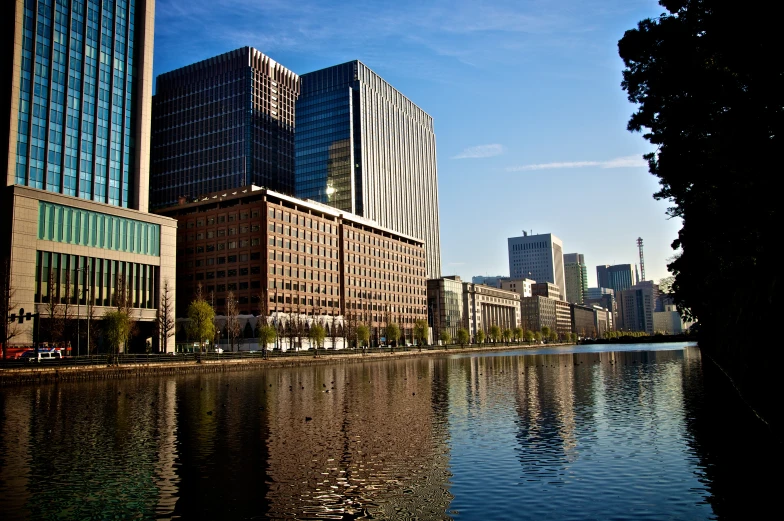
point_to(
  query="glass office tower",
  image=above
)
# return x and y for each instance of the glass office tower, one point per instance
(77, 127)
(363, 147)
(76, 94)
(223, 123)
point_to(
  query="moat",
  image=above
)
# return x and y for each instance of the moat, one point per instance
(578, 432)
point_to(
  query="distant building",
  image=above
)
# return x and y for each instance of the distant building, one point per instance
(494, 281)
(484, 307)
(584, 321)
(521, 286)
(617, 277)
(538, 257)
(576, 275)
(636, 307)
(604, 298)
(445, 306)
(537, 312)
(669, 321)
(554, 314)
(604, 320)
(546, 289)
(598, 292)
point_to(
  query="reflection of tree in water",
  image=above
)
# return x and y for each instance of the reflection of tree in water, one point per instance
(390, 457)
(737, 453)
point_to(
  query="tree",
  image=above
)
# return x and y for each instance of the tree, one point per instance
(545, 332)
(495, 333)
(445, 337)
(116, 328)
(421, 330)
(124, 304)
(201, 326)
(462, 336)
(538, 337)
(233, 328)
(573, 337)
(553, 336)
(392, 333)
(529, 335)
(334, 330)
(164, 317)
(363, 335)
(267, 335)
(518, 333)
(316, 336)
(53, 329)
(9, 328)
(507, 334)
(706, 79)
(480, 337)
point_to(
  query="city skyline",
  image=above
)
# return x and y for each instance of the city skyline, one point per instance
(554, 128)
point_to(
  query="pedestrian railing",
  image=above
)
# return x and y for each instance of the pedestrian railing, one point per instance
(168, 358)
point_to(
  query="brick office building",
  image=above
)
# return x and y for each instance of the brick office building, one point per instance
(279, 254)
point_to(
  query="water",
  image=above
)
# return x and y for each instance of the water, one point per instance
(563, 433)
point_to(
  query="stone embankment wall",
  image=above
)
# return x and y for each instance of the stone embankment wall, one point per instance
(41, 375)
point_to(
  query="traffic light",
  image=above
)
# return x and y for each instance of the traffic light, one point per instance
(21, 315)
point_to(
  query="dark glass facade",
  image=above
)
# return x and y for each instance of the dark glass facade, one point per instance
(223, 123)
(365, 148)
(77, 98)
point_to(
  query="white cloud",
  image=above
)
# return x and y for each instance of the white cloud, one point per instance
(480, 151)
(618, 162)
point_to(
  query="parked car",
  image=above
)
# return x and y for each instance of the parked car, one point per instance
(218, 349)
(43, 355)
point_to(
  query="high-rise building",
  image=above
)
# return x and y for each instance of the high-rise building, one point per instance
(364, 148)
(576, 275)
(636, 307)
(75, 127)
(617, 277)
(223, 123)
(538, 257)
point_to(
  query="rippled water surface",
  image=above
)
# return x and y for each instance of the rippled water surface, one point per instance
(564, 433)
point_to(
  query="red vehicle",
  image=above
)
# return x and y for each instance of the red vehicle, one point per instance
(15, 352)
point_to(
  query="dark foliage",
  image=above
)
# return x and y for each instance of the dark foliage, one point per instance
(708, 79)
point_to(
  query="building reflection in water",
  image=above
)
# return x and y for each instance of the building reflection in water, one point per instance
(471, 436)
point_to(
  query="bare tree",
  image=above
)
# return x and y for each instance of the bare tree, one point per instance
(333, 330)
(233, 329)
(164, 317)
(10, 329)
(53, 329)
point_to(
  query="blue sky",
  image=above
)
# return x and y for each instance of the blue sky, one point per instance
(529, 115)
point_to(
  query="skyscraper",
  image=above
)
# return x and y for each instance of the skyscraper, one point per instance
(617, 277)
(223, 123)
(75, 129)
(576, 274)
(365, 148)
(539, 257)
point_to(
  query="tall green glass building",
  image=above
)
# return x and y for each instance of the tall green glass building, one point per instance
(76, 87)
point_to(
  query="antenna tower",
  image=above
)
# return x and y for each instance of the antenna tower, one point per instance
(642, 259)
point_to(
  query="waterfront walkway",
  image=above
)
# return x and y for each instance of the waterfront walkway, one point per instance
(14, 372)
